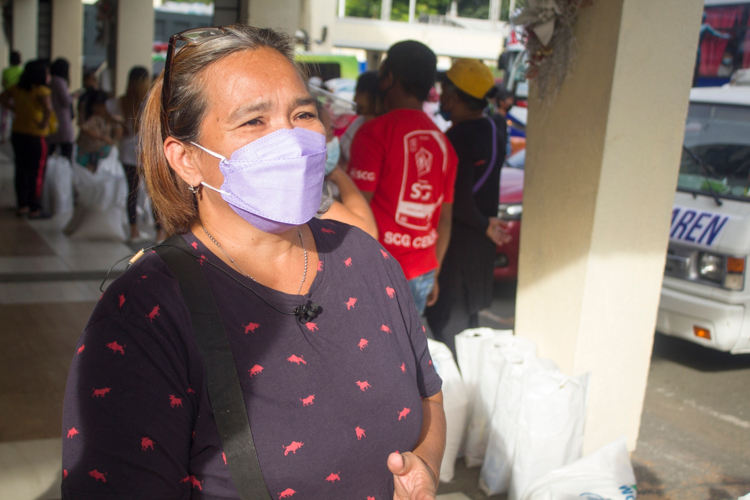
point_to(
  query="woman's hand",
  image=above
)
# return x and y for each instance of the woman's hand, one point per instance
(412, 478)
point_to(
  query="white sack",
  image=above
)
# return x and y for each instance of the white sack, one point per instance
(606, 473)
(101, 201)
(57, 192)
(498, 460)
(454, 403)
(550, 426)
(494, 353)
(467, 353)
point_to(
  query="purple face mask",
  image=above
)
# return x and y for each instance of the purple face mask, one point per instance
(275, 182)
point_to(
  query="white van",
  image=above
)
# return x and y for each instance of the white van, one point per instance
(704, 296)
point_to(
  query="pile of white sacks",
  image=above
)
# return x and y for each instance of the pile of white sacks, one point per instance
(522, 420)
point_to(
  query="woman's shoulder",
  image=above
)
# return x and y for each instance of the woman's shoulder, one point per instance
(147, 290)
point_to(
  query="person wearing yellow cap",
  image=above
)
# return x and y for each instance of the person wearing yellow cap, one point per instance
(465, 280)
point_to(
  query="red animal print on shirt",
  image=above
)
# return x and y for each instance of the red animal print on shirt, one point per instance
(153, 314)
(350, 303)
(362, 344)
(308, 400)
(370, 498)
(403, 367)
(72, 432)
(403, 413)
(360, 433)
(122, 300)
(255, 370)
(296, 445)
(193, 482)
(146, 443)
(117, 347)
(194, 245)
(390, 291)
(385, 329)
(173, 401)
(224, 457)
(385, 254)
(363, 385)
(190, 390)
(311, 326)
(296, 359)
(288, 492)
(98, 475)
(202, 260)
(100, 393)
(328, 231)
(80, 349)
(65, 473)
(250, 327)
(320, 266)
(348, 262)
(334, 477)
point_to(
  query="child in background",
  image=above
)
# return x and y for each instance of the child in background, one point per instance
(98, 133)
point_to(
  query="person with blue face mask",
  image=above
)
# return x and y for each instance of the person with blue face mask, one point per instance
(260, 351)
(352, 208)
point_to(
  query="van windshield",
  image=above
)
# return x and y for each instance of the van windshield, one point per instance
(719, 135)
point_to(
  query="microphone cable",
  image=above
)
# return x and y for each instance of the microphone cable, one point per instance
(304, 313)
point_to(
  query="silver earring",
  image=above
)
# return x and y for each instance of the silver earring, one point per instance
(192, 189)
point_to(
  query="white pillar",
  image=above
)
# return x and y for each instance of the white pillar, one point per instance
(385, 10)
(601, 171)
(495, 10)
(26, 28)
(67, 36)
(135, 39)
(412, 10)
(342, 8)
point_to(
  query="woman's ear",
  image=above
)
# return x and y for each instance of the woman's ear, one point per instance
(182, 161)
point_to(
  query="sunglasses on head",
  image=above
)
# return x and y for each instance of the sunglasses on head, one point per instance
(193, 36)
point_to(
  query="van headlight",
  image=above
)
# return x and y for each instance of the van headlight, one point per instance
(711, 267)
(510, 212)
(728, 272)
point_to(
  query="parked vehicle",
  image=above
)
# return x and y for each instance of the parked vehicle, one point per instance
(704, 296)
(510, 209)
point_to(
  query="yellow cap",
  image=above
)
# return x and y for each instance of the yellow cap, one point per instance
(471, 76)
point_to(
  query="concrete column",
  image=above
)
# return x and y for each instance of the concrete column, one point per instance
(412, 10)
(385, 10)
(601, 171)
(374, 57)
(495, 10)
(67, 36)
(26, 28)
(278, 14)
(135, 39)
(342, 8)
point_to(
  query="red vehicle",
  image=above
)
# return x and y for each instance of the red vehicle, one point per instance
(511, 196)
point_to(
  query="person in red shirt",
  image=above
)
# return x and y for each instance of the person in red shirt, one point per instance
(406, 168)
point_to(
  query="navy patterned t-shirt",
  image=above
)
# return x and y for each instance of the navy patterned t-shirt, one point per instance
(328, 401)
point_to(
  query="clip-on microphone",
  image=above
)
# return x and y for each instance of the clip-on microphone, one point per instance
(306, 313)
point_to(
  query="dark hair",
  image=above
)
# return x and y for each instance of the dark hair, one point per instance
(471, 102)
(95, 97)
(60, 67)
(174, 204)
(15, 58)
(412, 64)
(34, 73)
(368, 83)
(501, 94)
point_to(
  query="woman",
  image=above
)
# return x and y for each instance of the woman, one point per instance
(62, 104)
(31, 103)
(98, 133)
(126, 109)
(329, 401)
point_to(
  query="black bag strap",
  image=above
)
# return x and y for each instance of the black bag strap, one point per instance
(223, 384)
